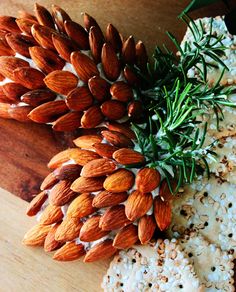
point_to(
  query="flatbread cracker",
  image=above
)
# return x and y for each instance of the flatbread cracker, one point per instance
(159, 267)
(213, 266)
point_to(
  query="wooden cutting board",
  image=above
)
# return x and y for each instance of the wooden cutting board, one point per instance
(25, 149)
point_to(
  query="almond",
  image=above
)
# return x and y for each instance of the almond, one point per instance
(5, 49)
(87, 184)
(38, 96)
(20, 113)
(92, 117)
(68, 172)
(49, 181)
(165, 192)
(8, 64)
(98, 167)
(84, 66)
(162, 213)
(68, 230)
(123, 128)
(135, 109)
(114, 218)
(50, 244)
(141, 56)
(99, 88)
(146, 228)
(96, 41)
(48, 112)
(90, 231)
(36, 204)
(79, 99)
(120, 181)
(69, 252)
(77, 33)
(87, 141)
(128, 51)
(30, 78)
(117, 139)
(104, 150)
(61, 193)
(68, 122)
(4, 108)
(113, 109)
(23, 13)
(147, 179)
(130, 76)
(13, 90)
(61, 81)
(81, 206)
(121, 91)
(25, 25)
(101, 250)
(60, 16)
(138, 205)
(126, 237)
(64, 46)
(89, 21)
(108, 199)
(113, 37)
(110, 62)
(43, 16)
(43, 35)
(51, 214)
(61, 157)
(8, 23)
(128, 156)
(36, 235)
(46, 60)
(82, 156)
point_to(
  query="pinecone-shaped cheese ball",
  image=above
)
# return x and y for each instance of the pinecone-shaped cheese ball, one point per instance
(100, 197)
(53, 70)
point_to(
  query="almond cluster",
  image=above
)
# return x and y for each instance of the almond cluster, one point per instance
(53, 70)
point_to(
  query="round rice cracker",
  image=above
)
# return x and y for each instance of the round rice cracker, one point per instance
(207, 206)
(213, 266)
(155, 267)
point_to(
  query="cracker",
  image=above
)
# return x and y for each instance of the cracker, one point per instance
(159, 267)
(213, 266)
(208, 207)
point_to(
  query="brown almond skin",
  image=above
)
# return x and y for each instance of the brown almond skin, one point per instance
(99, 88)
(126, 237)
(87, 141)
(38, 96)
(128, 156)
(25, 25)
(98, 167)
(13, 90)
(69, 252)
(84, 66)
(146, 228)
(61, 81)
(8, 23)
(20, 113)
(123, 128)
(50, 244)
(90, 231)
(81, 206)
(120, 181)
(36, 204)
(68, 172)
(165, 192)
(49, 181)
(30, 78)
(23, 13)
(43, 36)
(89, 21)
(43, 16)
(147, 179)
(121, 91)
(8, 64)
(135, 109)
(114, 218)
(96, 41)
(60, 16)
(117, 139)
(130, 76)
(68, 230)
(128, 51)
(68, 122)
(79, 99)
(36, 235)
(52, 214)
(92, 117)
(82, 156)
(113, 37)
(141, 55)
(110, 62)
(61, 157)
(87, 184)
(100, 251)
(162, 213)
(108, 199)
(105, 150)
(61, 193)
(138, 205)
(4, 107)
(5, 49)
(113, 109)
(77, 33)
(64, 46)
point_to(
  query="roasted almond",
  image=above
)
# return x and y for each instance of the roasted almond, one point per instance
(43, 35)
(50, 244)
(162, 213)
(30, 78)
(128, 51)
(123, 128)
(98, 167)
(68, 122)
(120, 181)
(89, 21)
(5, 49)
(113, 109)
(68, 172)
(99, 88)
(13, 90)
(61, 157)
(77, 33)
(38, 96)
(121, 91)
(130, 76)
(81, 206)
(84, 66)
(48, 112)
(79, 99)
(82, 156)
(96, 41)
(110, 62)
(101, 250)
(61, 193)
(117, 139)
(90, 231)
(23, 13)
(8, 64)
(68, 230)
(87, 184)
(105, 150)
(113, 37)
(36, 235)
(135, 109)
(4, 108)
(61, 81)
(108, 199)
(25, 25)
(60, 16)
(126, 237)
(64, 46)
(114, 218)
(8, 23)
(36, 204)
(146, 228)
(49, 181)
(69, 252)
(128, 156)
(51, 214)
(20, 113)
(87, 141)
(141, 55)
(138, 205)
(147, 179)
(92, 117)
(43, 16)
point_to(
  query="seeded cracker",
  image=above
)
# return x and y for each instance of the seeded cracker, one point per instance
(213, 266)
(208, 206)
(159, 267)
